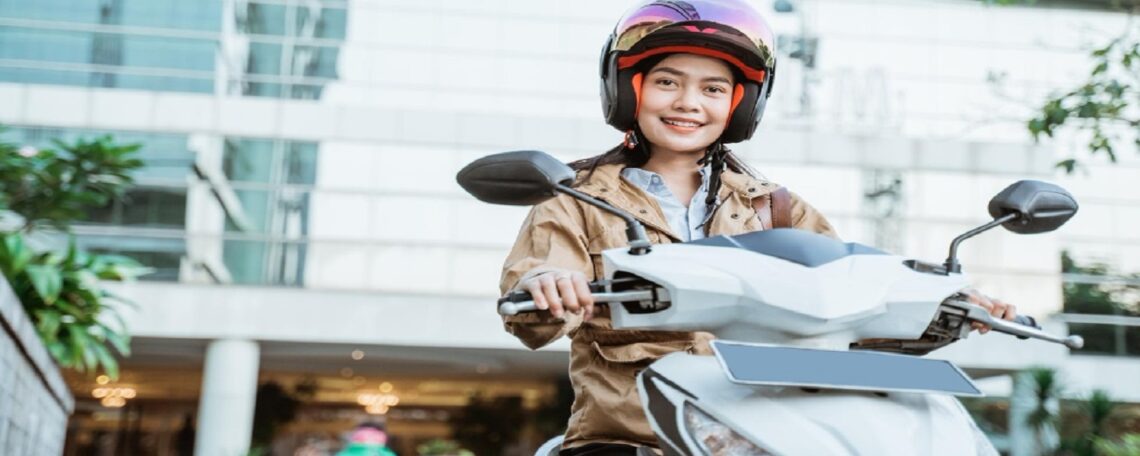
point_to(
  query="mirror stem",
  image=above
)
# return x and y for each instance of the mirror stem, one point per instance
(634, 231)
(952, 265)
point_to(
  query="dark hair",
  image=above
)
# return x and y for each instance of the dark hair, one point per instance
(639, 155)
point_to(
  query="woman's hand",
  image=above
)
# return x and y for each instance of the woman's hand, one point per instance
(561, 291)
(996, 307)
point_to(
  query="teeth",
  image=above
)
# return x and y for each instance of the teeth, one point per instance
(681, 123)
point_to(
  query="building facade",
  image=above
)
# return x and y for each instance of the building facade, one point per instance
(300, 208)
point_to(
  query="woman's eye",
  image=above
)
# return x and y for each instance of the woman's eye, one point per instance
(717, 89)
(666, 82)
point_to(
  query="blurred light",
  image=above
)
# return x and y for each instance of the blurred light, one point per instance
(386, 387)
(377, 403)
(358, 355)
(102, 379)
(113, 397)
(783, 6)
(346, 372)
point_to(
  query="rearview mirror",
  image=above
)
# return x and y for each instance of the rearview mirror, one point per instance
(520, 178)
(1040, 206)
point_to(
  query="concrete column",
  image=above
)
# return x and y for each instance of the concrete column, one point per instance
(229, 389)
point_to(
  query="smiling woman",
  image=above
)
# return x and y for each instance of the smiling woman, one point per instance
(681, 80)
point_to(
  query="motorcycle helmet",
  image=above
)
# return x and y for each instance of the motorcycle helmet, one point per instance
(730, 30)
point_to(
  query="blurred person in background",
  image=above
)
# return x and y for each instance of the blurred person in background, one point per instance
(368, 439)
(681, 79)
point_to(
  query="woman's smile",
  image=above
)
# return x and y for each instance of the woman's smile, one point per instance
(682, 125)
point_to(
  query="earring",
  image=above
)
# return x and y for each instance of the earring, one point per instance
(630, 140)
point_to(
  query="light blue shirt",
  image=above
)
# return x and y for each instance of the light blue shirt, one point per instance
(686, 222)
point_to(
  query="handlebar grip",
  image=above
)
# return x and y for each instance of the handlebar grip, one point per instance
(1026, 320)
(515, 302)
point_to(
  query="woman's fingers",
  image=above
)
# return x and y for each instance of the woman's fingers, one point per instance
(561, 291)
(585, 297)
(550, 290)
(534, 287)
(995, 307)
(1010, 312)
(982, 300)
(566, 290)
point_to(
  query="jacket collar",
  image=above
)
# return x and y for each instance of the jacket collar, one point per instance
(607, 184)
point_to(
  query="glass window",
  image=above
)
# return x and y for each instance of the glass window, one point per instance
(176, 53)
(248, 160)
(45, 45)
(1096, 287)
(264, 58)
(265, 19)
(166, 156)
(144, 207)
(301, 163)
(155, 207)
(162, 254)
(195, 15)
(265, 262)
(203, 15)
(51, 10)
(39, 76)
(330, 22)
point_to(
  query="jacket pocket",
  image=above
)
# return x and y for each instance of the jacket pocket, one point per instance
(639, 353)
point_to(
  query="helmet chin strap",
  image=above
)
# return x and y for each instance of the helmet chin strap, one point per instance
(714, 157)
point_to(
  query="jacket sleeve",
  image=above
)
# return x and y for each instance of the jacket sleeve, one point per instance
(553, 236)
(806, 217)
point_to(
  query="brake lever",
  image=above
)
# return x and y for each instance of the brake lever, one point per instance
(1026, 328)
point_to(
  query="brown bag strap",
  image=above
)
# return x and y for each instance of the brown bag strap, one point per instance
(782, 208)
(774, 209)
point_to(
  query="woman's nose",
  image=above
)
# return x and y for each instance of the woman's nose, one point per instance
(687, 100)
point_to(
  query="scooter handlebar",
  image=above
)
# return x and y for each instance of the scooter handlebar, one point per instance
(1022, 326)
(517, 302)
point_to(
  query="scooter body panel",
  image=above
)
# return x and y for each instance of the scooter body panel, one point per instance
(744, 295)
(789, 420)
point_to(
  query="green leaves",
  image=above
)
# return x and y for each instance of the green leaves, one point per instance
(47, 281)
(62, 291)
(78, 321)
(1105, 106)
(55, 187)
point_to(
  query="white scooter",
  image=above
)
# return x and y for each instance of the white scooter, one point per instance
(819, 341)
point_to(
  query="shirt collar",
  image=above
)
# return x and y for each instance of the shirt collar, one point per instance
(607, 178)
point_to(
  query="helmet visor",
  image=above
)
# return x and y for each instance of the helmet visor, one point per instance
(639, 22)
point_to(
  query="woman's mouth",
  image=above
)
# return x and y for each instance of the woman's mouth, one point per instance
(681, 124)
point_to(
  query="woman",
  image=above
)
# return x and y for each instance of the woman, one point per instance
(681, 79)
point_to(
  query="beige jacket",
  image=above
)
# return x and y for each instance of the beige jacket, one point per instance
(567, 234)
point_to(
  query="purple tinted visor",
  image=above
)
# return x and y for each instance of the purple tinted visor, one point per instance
(748, 28)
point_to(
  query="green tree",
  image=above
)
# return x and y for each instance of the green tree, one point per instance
(1107, 104)
(1110, 297)
(76, 318)
(1097, 410)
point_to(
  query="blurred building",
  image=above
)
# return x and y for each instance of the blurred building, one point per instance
(300, 208)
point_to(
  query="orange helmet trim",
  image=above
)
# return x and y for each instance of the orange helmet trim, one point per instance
(749, 72)
(637, 78)
(737, 96)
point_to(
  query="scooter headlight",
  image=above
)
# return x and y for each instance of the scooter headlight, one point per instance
(716, 439)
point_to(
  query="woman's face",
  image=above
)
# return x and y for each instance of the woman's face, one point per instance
(685, 102)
